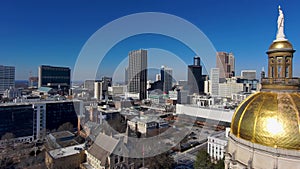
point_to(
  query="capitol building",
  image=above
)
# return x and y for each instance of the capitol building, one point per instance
(265, 128)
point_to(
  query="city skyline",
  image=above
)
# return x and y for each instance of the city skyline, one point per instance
(33, 34)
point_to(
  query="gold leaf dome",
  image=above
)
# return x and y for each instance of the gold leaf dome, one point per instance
(270, 119)
(281, 45)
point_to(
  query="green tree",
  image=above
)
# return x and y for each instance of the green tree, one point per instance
(220, 164)
(202, 160)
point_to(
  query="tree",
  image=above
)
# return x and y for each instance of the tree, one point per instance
(6, 161)
(202, 160)
(66, 127)
(8, 136)
(220, 164)
(160, 161)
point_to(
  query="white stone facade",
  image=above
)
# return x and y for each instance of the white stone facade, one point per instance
(242, 154)
(216, 146)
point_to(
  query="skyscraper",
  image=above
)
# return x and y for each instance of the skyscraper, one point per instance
(98, 91)
(7, 78)
(126, 76)
(55, 77)
(195, 78)
(214, 78)
(225, 62)
(166, 78)
(137, 72)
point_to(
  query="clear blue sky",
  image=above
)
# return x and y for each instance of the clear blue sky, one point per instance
(53, 32)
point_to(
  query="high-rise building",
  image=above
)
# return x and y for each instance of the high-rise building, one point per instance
(195, 78)
(90, 84)
(231, 86)
(126, 76)
(214, 81)
(98, 91)
(248, 74)
(107, 82)
(225, 62)
(137, 73)
(166, 78)
(28, 121)
(265, 127)
(7, 78)
(55, 77)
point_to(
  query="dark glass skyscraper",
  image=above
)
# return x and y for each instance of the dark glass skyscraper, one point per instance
(166, 78)
(55, 77)
(7, 78)
(195, 78)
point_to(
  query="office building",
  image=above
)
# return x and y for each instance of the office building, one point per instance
(137, 73)
(90, 84)
(195, 78)
(7, 78)
(231, 86)
(106, 82)
(225, 63)
(29, 121)
(248, 74)
(126, 76)
(166, 78)
(55, 77)
(98, 90)
(214, 81)
(265, 127)
(249, 85)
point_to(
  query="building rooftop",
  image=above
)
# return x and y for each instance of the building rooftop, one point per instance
(148, 119)
(67, 151)
(221, 136)
(44, 89)
(62, 134)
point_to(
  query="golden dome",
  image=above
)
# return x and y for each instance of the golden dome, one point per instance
(270, 119)
(281, 45)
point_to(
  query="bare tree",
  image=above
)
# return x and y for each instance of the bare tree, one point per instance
(66, 127)
(7, 136)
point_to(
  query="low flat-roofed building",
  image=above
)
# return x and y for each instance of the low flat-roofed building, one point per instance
(148, 125)
(65, 158)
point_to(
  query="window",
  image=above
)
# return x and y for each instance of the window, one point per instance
(226, 59)
(228, 69)
(272, 71)
(287, 71)
(279, 71)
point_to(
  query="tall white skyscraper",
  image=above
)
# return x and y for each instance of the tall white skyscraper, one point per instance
(137, 73)
(166, 78)
(214, 78)
(98, 90)
(7, 78)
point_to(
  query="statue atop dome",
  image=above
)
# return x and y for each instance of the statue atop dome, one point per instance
(280, 26)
